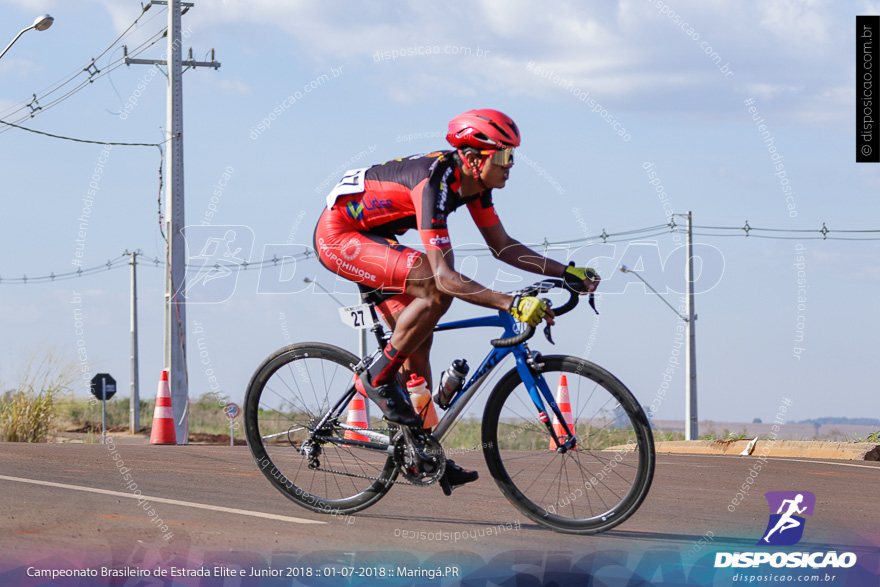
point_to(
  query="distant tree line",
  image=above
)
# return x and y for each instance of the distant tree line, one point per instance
(844, 421)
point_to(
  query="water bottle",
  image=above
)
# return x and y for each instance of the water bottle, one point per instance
(421, 400)
(451, 381)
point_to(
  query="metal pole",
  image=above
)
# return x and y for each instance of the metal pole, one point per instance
(362, 352)
(134, 408)
(23, 31)
(103, 411)
(690, 406)
(175, 309)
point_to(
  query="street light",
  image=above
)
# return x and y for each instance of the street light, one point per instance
(41, 24)
(691, 428)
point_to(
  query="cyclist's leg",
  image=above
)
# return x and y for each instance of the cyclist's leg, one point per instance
(379, 263)
(417, 321)
(419, 361)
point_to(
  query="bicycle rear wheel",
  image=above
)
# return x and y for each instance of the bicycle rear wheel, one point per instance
(583, 491)
(287, 397)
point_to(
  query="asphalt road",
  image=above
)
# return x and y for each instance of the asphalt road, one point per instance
(61, 501)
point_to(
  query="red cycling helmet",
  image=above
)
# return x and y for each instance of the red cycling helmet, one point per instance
(483, 129)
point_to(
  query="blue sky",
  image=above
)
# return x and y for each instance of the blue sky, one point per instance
(393, 75)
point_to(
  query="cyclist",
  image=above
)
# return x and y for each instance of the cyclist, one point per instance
(356, 238)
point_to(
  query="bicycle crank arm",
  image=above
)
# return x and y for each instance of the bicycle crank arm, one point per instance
(422, 460)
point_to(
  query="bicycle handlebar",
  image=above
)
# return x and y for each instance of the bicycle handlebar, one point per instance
(540, 287)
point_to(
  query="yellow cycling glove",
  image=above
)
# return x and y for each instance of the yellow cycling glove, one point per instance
(574, 277)
(529, 309)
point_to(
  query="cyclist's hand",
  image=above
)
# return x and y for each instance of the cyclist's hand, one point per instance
(530, 310)
(581, 279)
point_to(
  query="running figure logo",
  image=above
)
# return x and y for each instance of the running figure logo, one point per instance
(786, 525)
(212, 274)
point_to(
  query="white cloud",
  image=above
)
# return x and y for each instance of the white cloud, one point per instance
(632, 53)
(797, 24)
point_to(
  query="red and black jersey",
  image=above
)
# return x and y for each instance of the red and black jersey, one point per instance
(414, 192)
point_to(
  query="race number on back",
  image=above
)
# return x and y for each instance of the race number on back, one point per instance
(351, 183)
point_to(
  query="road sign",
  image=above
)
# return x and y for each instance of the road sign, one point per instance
(232, 410)
(103, 386)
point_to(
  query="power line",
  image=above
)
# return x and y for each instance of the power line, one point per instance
(57, 85)
(39, 132)
(309, 254)
(37, 108)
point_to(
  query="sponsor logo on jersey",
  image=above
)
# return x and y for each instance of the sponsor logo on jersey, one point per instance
(411, 258)
(355, 210)
(372, 203)
(440, 241)
(444, 191)
(351, 249)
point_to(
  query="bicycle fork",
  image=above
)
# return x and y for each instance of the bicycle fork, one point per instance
(529, 366)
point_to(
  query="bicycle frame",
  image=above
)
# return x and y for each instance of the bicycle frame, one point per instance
(537, 387)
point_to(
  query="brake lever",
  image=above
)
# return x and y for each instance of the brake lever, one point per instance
(547, 328)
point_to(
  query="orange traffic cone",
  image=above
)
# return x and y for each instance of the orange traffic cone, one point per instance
(162, 431)
(564, 402)
(357, 416)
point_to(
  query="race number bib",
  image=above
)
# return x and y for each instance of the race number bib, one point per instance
(358, 317)
(351, 183)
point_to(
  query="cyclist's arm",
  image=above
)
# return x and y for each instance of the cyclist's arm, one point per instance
(453, 283)
(511, 251)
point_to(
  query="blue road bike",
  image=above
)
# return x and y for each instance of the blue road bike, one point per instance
(581, 474)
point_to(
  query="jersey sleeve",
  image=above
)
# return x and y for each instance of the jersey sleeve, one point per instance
(483, 210)
(430, 201)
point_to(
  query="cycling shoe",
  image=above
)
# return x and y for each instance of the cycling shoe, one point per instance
(454, 476)
(391, 399)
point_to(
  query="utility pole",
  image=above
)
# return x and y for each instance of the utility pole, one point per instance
(691, 431)
(175, 255)
(135, 398)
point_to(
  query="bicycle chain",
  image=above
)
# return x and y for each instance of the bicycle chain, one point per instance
(388, 431)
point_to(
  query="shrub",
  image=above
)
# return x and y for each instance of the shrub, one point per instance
(27, 413)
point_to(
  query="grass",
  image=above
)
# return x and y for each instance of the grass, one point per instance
(206, 415)
(872, 437)
(27, 415)
(726, 435)
(28, 412)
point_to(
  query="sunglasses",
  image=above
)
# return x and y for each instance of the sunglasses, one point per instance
(502, 157)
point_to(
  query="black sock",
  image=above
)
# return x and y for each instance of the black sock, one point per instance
(386, 366)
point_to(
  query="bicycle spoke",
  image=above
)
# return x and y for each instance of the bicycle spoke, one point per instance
(290, 394)
(576, 489)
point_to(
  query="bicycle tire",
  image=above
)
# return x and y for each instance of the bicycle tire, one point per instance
(511, 429)
(283, 399)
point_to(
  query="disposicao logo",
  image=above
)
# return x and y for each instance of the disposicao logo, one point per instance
(784, 528)
(786, 525)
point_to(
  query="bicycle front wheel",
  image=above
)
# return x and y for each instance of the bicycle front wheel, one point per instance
(288, 396)
(587, 490)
